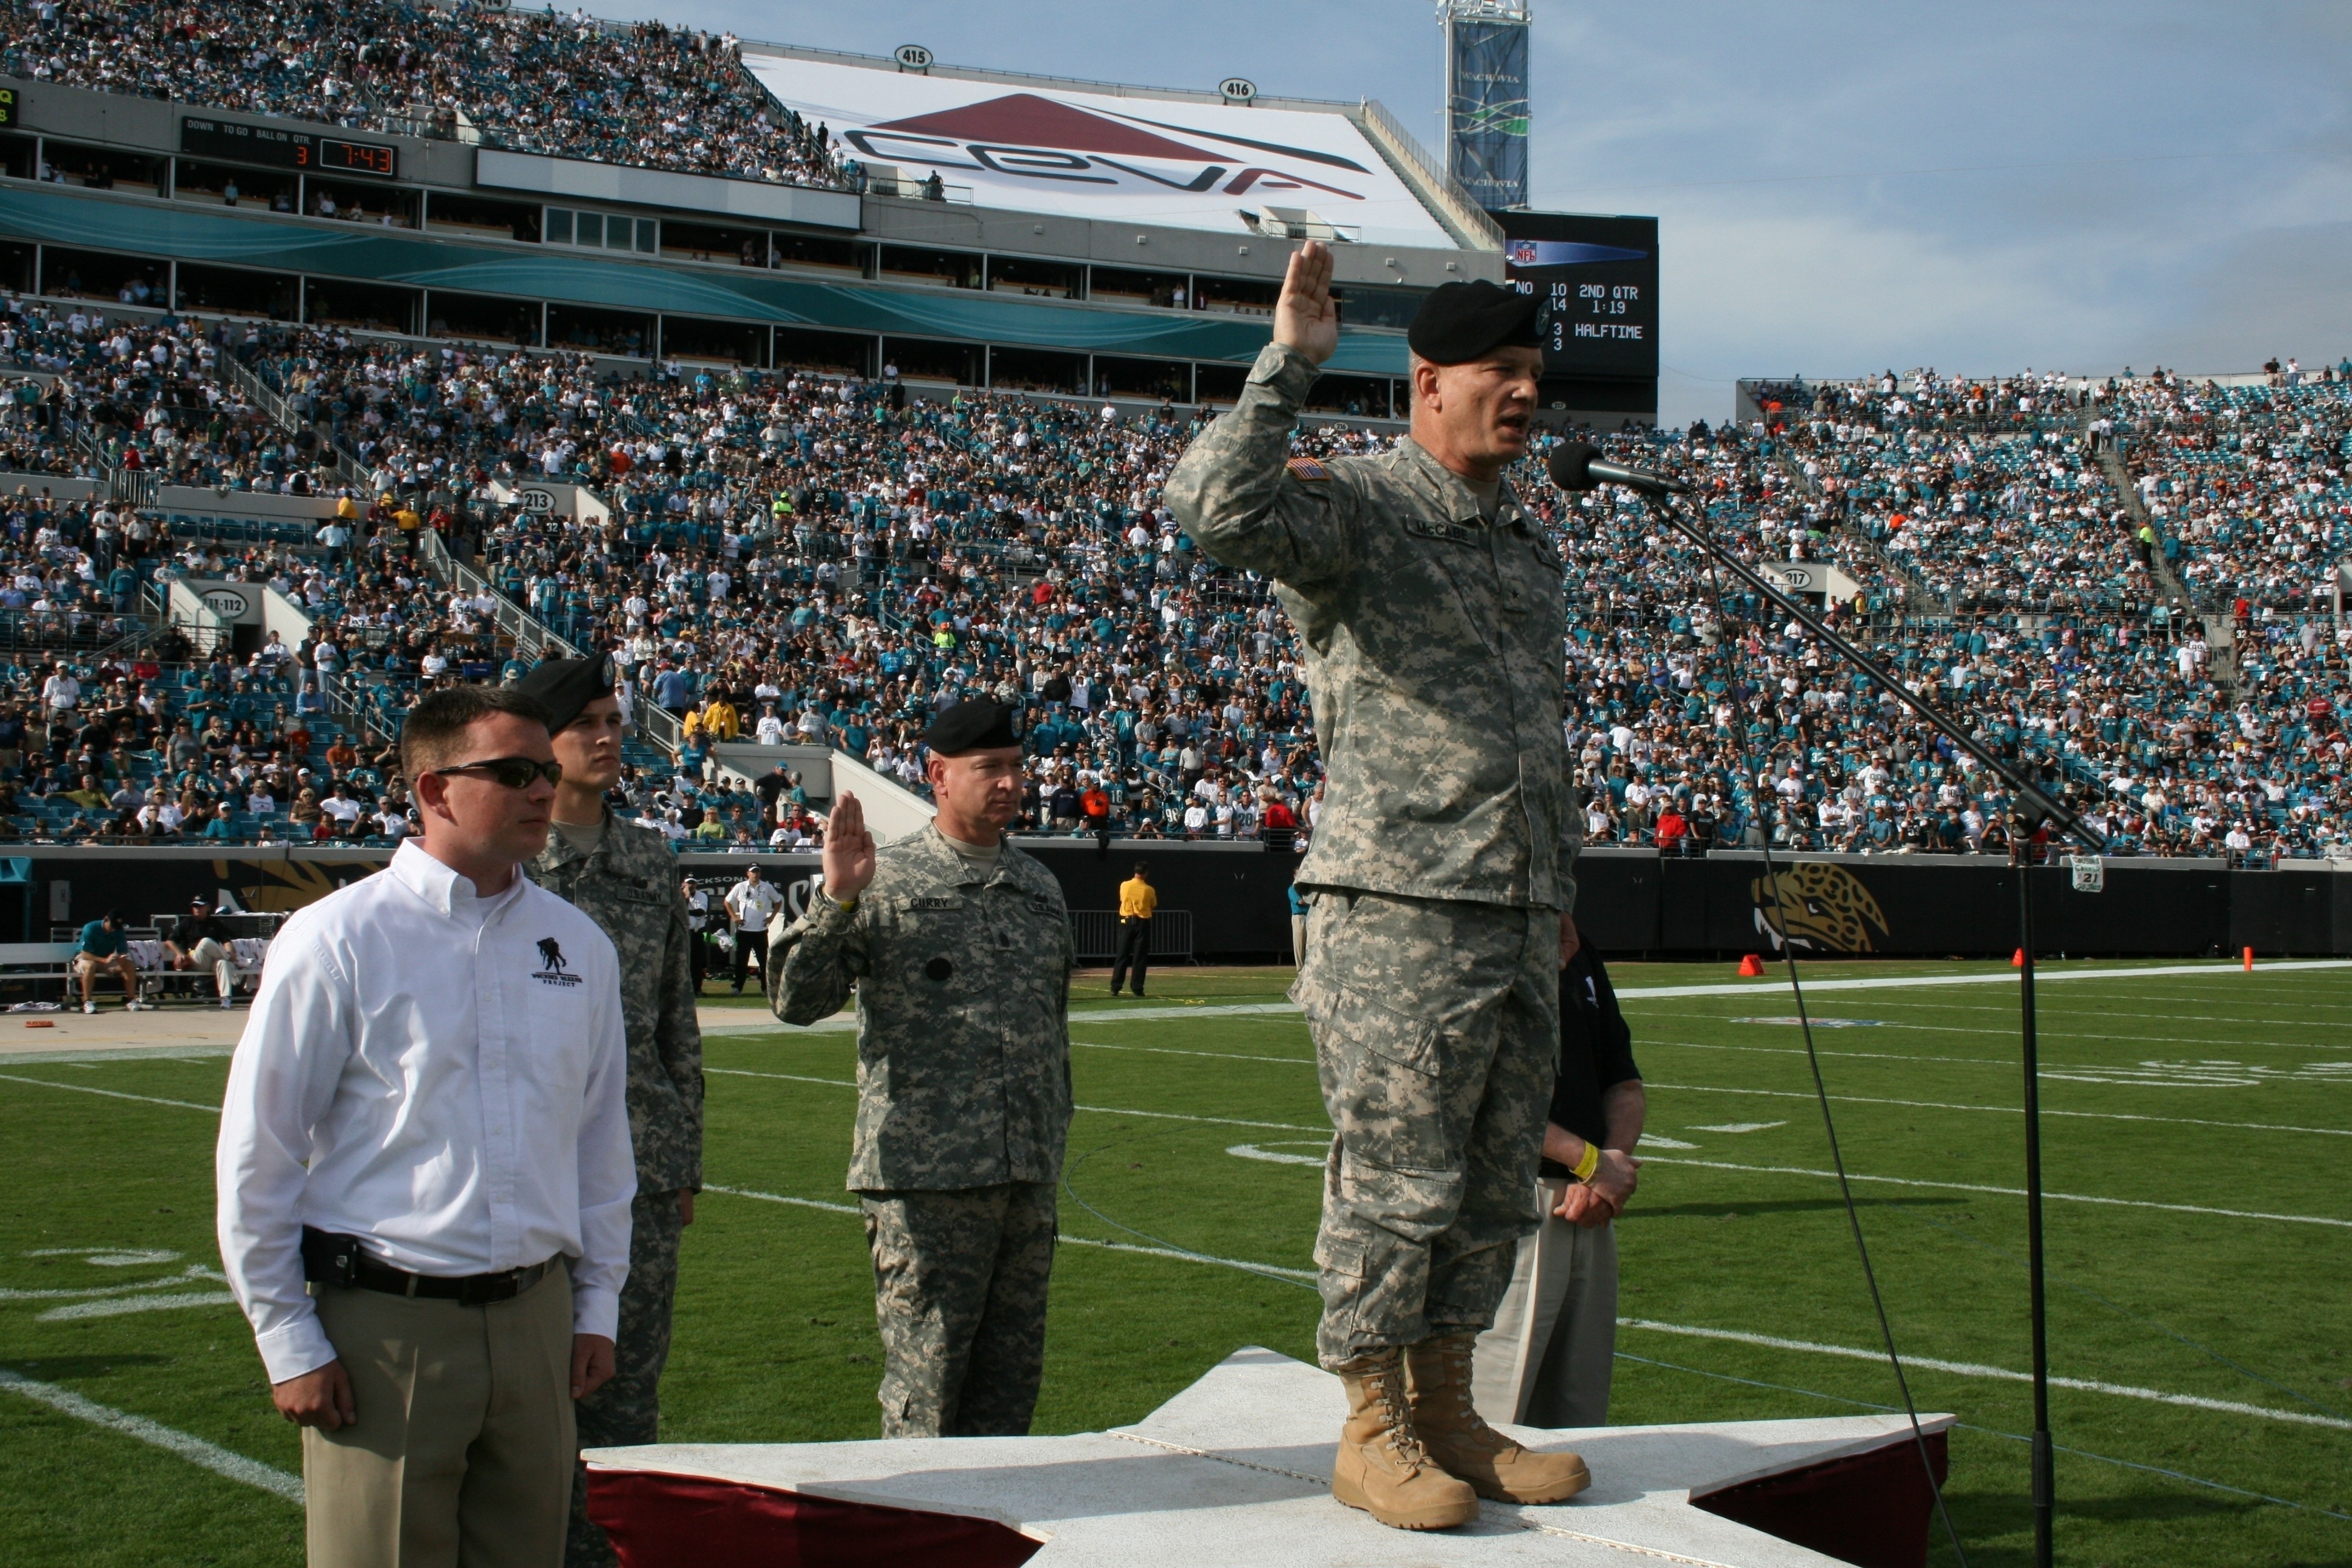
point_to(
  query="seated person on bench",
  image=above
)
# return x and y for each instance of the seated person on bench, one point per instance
(199, 940)
(104, 949)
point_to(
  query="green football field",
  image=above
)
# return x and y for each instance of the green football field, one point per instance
(2198, 1147)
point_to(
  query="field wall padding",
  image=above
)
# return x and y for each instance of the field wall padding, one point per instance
(1630, 903)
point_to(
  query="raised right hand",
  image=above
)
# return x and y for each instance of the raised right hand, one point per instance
(321, 1397)
(848, 853)
(1306, 318)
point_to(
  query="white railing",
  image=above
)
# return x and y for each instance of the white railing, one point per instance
(1460, 212)
(283, 415)
(533, 638)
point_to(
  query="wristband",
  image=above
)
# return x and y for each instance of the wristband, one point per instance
(1590, 1163)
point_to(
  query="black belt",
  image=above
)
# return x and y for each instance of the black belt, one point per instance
(473, 1291)
(337, 1260)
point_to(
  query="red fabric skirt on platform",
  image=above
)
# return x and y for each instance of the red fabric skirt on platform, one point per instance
(657, 1520)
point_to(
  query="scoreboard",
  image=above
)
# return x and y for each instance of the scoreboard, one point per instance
(279, 149)
(1599, 280)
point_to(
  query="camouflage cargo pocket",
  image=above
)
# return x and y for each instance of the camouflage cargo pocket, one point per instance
(1379, 1070)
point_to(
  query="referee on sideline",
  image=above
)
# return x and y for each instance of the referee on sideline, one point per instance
(426, 1121)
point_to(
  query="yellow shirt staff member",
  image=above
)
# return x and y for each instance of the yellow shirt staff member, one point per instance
(1137, 899)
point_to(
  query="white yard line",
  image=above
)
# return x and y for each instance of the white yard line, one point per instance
(118, 1308)
(1245, 1268)
(1173, 1051)
(196, 1450)
(1962, 1369)
(2094, 1010)
(1974, 1369)
(1779, 986)
(1096, 1109)
(2005, 1192)
(2044, 1033)
(1769, 987)
(2003, 1110)
(121, 1054)
(110, 1093)
(2003, 1064)
(194, 1271)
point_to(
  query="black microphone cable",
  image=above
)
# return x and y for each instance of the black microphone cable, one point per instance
(1820, 1088)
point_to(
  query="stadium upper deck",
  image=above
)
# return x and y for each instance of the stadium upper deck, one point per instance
(558, 182)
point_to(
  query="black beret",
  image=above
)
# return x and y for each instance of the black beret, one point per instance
(565, 686)
(975, 724)
(1460, 322)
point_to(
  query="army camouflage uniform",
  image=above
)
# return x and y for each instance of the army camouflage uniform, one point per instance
(963, 1107)
(629, 886)
(1443, 857)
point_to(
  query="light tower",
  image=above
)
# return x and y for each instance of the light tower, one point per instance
(1486, 102)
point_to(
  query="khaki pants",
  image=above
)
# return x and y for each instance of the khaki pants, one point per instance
(210, 954)
(1546, 1361)
(463, 1448)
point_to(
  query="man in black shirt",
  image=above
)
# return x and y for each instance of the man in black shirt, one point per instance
(1546, 1361)
(199, 940)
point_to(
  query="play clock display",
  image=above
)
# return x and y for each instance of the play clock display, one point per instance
(282, 148)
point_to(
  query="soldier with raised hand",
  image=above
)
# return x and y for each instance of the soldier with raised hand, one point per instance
(959, 947)
(1441, 878)
(624, 877)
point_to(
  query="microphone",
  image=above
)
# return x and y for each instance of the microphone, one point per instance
(1579, 466)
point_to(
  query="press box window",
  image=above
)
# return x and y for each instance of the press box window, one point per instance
(607, 231)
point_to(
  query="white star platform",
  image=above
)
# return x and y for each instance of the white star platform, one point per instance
(1236, 1469)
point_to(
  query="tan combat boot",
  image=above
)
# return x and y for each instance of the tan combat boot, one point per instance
(1439, 1373)
(1383, 1467)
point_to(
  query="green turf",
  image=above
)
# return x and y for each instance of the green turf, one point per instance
(2211, 1092)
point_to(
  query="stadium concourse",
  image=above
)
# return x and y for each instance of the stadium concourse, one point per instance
(797, 556)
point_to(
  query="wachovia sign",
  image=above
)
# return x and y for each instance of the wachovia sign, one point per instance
(1078, 154)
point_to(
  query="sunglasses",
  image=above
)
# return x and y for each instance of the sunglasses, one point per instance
(515, 772)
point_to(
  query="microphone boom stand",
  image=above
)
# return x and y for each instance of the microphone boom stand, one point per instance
(2067, 824)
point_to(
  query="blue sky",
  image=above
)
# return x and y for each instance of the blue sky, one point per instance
(1843, 188)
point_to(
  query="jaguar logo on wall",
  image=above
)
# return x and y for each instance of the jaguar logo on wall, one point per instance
(1825, 908)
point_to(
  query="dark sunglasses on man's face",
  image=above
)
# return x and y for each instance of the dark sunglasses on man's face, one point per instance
(515, 772)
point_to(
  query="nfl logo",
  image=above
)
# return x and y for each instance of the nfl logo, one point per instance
(1520, 252)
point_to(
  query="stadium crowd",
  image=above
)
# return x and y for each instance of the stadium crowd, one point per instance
(572, 85)
(793, 556)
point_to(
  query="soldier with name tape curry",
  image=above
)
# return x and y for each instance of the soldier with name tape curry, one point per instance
(959, 950)
(1430, 610)
(625, 878)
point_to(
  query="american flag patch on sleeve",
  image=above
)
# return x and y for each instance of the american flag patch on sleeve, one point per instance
(1309, 469)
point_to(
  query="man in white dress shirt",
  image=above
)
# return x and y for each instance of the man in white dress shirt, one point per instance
(426, 1120)
(752, 903)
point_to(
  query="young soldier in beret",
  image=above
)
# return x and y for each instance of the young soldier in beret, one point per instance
(624, 877)
(959, 947)
(1431, 608)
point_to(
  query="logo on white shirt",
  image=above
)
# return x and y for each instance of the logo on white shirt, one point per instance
(557, 972)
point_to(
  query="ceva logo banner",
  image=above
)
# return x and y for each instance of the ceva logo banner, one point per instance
(1096, 155)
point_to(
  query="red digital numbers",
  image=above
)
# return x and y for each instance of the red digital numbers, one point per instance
(359, 157)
